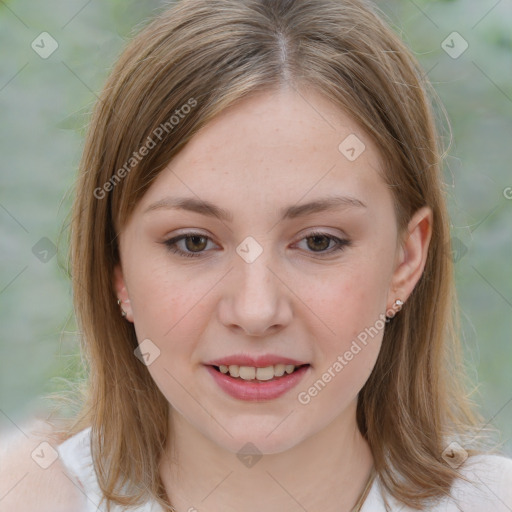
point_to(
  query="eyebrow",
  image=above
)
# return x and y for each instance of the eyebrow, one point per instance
(291, 212)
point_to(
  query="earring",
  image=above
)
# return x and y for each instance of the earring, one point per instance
(397, 306)
(123, 312)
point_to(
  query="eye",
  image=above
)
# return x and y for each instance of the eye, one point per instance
(194, 244)
(320, 243)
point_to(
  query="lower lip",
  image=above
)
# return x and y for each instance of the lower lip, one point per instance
(254, 390)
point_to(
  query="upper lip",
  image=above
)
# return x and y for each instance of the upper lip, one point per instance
(255, 361)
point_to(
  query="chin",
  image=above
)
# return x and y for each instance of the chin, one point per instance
(268, 437)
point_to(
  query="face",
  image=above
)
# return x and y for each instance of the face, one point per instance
(272, 278)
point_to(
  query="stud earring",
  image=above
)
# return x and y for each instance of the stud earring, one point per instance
(123, 312)
(397, 306)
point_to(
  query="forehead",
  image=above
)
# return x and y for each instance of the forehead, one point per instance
(274, 147)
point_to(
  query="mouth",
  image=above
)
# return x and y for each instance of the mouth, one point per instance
(257, 383)
(258, 374)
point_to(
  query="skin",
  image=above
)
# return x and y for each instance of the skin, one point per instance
(274, 149)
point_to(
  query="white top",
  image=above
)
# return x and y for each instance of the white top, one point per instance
(491, 489)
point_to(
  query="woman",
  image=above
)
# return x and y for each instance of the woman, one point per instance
(261, 275)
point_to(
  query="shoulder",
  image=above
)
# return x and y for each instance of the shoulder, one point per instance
(32, 476)
(484, 484)
(486, 481)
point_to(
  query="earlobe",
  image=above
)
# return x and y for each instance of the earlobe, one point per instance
(412, 255)
(123, 299)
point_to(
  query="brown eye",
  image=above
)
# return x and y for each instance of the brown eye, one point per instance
(318, 242)
(323, 244)
(190, 245)
(196, 243)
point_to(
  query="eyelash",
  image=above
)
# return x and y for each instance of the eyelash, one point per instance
(171, 244)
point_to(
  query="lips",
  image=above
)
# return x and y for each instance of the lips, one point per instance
(256, 378)
(255, 361)
(257, 391)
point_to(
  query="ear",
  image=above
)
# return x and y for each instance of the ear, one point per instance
(122, 293)
(411, 256)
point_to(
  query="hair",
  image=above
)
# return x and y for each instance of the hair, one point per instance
(209, 54)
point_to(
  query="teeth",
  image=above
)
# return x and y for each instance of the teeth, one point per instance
(247, 372)
(266, 373)
(251, 373)
(279, 370)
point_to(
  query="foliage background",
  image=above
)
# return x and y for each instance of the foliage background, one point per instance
(44, 104)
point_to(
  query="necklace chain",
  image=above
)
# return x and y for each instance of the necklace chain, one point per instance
(360, 502)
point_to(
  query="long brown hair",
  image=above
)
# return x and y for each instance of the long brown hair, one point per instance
(208, 54)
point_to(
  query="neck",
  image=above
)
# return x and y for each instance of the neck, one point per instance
(328, 471)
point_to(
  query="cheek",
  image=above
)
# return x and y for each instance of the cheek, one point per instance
(352, 300)
(171, 309)
(164, 302)
(171, 313)
(343, 364)
(353, 306)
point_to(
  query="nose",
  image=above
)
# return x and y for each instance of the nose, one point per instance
(256, 300)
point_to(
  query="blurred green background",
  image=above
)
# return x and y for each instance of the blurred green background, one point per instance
(45, 102)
